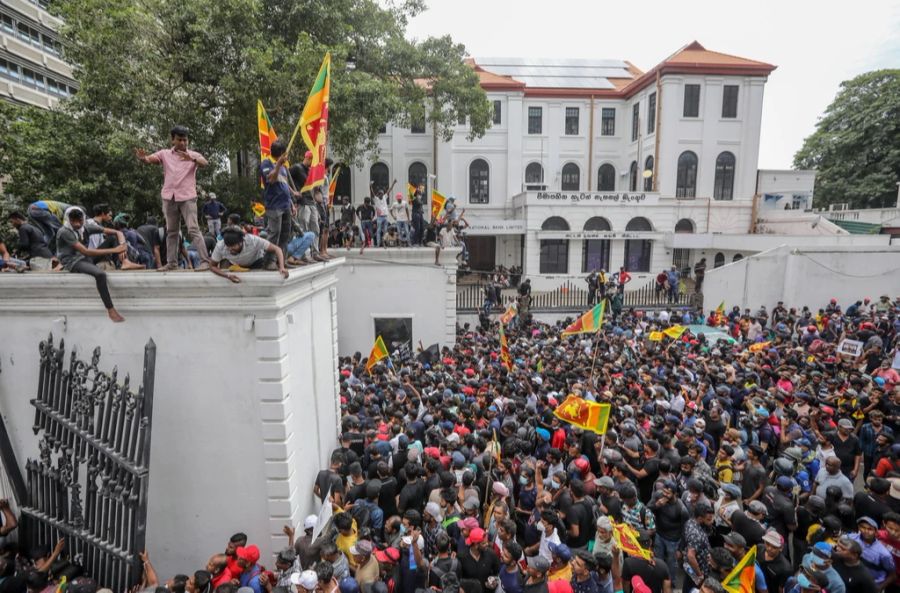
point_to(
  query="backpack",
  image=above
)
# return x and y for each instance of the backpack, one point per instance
(362, 514)
(439, 572)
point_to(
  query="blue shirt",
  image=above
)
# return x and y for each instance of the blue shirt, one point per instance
(250, 578)
(277, 193)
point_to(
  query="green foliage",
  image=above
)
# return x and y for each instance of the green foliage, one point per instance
(144, 66)
(856, 145)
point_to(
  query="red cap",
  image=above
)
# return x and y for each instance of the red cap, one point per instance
(248, 553)
(470, 372)
(308, 154)
(387, 556)
(476, 536)
(582, 464)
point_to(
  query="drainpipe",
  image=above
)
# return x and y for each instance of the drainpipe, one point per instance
(658, 126)
(591, 146)
(754, 210)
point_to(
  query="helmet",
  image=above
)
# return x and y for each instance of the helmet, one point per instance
(784, 467)
(793, 453)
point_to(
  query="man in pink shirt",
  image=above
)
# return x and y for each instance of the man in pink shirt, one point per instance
(179, 194)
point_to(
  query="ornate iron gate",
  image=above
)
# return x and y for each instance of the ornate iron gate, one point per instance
(90, 484)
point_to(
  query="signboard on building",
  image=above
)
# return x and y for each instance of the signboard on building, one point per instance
(495, 226)
(593, 198)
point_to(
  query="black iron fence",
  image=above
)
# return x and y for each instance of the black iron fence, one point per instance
(569, 296)
(89, 486)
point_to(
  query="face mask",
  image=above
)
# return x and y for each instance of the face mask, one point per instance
(523, 481)
(554, 485)
(402, 529)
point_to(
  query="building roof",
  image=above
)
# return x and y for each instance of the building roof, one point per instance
(611, 78)
(854, 227)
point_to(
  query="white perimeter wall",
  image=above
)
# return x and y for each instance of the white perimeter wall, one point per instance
(807, 276)
(245, 407)
(386, 283)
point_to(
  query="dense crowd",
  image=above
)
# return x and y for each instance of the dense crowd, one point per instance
(454, 474)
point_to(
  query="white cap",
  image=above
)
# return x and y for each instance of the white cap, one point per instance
(310, 522)
(306, 579)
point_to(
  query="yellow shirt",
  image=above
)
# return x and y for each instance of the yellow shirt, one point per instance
(345, 542)
(564, 573)
(725, 473)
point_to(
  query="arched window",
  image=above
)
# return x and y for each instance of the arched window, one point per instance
(379, 176)
(606, 178)
(479, 182)
(681, 258)
(638, 252)
(685, 225)
(723, 187)
(595, 252)
(737, 257)
(571, 177)
(554, 252)
(686, 181)
(633, 177)
(719, 261)
(534, 177)
(418, 174)
(648, 178)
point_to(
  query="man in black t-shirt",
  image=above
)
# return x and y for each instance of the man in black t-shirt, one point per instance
(655, 574)
(32, 245)
(848, 564)
(748, 523)
(846, 448)
(366, 214)
(330, 479)
(150, 234)
(579, 518)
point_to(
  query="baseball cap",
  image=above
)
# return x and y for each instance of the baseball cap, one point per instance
(249, 553)
(774, 538)
(813, 562)
(469, 523)
(868, 520)
(306, 579)
(540, 564)
(784, 483)
(822, 550)
(387, 556)
(735, 539)
(434, 509)
(362, 548)
(845, 423)
(310, 522)
(756, 507)
(476, 536)
(561, 551)
(604, 482)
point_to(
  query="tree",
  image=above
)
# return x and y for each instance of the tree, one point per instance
(856, 145)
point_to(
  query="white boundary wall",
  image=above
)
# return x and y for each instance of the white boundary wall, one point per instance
(245, 405)
(805, 276)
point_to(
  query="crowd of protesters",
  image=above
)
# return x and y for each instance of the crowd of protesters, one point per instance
(295, 228)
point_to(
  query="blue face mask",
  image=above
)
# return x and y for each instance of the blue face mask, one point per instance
(523, 481)
(554, 485)
(402, 529)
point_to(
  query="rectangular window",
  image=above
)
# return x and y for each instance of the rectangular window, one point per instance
(23, 32)
(635, 121)
(651, 113)
(535, 120)
(28, 76)
(608, 121)
(692, 100)
(497, 114)
(50, 45)
(554, 256)
(396, 333)
(7, 24)
(729, 101)
(572, 121)
(9, 70)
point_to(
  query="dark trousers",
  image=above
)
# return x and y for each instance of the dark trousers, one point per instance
(278, 227)
(418, 225)
(88, 267)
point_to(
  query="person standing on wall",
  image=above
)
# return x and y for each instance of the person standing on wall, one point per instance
(278, 199)
(699, 273)
(179, 194)
(213, 211)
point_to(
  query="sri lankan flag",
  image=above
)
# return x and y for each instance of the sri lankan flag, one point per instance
(626, 538)
(313, 124)
(743, 578)
(267, 133)
(379, 352)
(720, 313)
(508, 314)
(332, 186)
(588, 323)
(759, 346)
(505, 358)
(587, 415)
(410, 191)
(437, 203)
(675, 331)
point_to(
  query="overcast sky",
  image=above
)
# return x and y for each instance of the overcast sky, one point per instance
(815, 45)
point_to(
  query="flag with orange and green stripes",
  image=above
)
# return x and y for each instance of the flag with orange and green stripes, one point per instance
(314, 125)
(588, 323)
(379, 352)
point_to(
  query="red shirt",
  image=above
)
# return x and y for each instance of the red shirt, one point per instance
(224, 577)
(233, 567)
(893, 547)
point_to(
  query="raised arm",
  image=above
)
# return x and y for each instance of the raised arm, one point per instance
(149, 159)
(9, 518)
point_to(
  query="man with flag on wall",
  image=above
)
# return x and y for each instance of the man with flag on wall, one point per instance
(279, 196)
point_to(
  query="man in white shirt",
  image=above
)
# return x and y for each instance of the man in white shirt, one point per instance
(244, 251)
(400, 214)
(379, 201)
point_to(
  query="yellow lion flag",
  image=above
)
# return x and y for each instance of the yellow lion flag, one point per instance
(379, 352)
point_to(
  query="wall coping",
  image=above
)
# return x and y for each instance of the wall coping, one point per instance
(175, 293)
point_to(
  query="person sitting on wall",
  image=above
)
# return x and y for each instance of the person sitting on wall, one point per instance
(243, 252)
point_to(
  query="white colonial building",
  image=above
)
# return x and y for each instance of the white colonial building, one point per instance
(595, 163)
